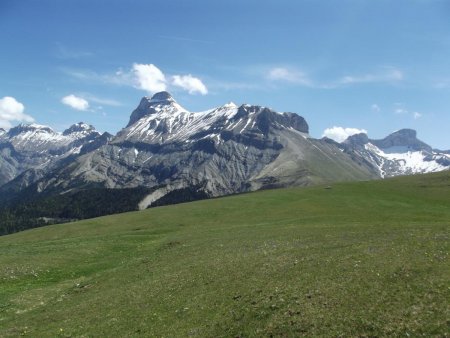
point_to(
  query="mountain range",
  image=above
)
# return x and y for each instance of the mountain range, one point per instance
(172, 155)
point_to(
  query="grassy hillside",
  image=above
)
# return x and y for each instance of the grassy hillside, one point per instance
(359, 259)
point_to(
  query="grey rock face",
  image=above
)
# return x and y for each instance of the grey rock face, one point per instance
(402, 138)
(399, 153)
(222, 151)
(357, 140)
(147, 105)
(225, 150)
(38, 147)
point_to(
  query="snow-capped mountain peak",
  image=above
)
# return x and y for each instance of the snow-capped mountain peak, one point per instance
(34, 146)
(39, 138)
(79, 128)
(160, 103)
(161, 119)
(162, 97)
(30, 129)
(400, 153)
(230, 104)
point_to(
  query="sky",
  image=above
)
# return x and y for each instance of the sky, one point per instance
(346, 66)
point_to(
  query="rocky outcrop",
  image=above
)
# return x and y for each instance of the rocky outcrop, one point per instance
(402, 138)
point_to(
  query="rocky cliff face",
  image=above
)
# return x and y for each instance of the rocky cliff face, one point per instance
(173, 152)
(37, 147)
(221, 151)
(167, 154)
(400, 153)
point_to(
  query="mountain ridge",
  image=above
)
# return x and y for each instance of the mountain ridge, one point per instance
(399, 153)
(33, 146)
(225, 150)
(177, 155)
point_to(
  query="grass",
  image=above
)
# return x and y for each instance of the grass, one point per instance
(362, 259)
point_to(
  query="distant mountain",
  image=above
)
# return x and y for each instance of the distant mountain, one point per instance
(400, 153)
(37, 147)
(221, 151)
(167, 154)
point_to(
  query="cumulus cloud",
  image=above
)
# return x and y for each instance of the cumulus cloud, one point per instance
(288, 75)
(190, 83)
(75, 102)
(12, 110)
(340, 134)
(149, 78)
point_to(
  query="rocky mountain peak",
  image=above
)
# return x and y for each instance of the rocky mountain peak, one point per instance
(162, 97)
(79, 127)
(357, 139)
(230, 105)
(402, 138)
(26, 128)
(158, 102)
(406, 133)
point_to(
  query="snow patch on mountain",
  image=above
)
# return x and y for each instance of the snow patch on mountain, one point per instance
(37, 147)
(401, 160)
(43, 138)
(161, 119)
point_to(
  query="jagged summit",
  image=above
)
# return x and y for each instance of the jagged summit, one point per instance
(181, 155)
(38, 147)
(161, 119)
(162, 97)
(79, 127)
(230, 104)
(161, 101)
(27, 128)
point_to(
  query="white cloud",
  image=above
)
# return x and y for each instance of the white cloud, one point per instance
(100, 100)
(295, 76)
(145, 77)
(12, 110)
(190, 83)
(340, 134)
(65, 53)
(75, 102)
(375, 108)
(288, 75)
(400, 111)
(149, 78)
(388, 74)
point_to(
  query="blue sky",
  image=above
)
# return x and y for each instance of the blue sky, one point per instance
(373, 65)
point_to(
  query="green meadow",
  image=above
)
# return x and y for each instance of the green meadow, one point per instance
(362, 259)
